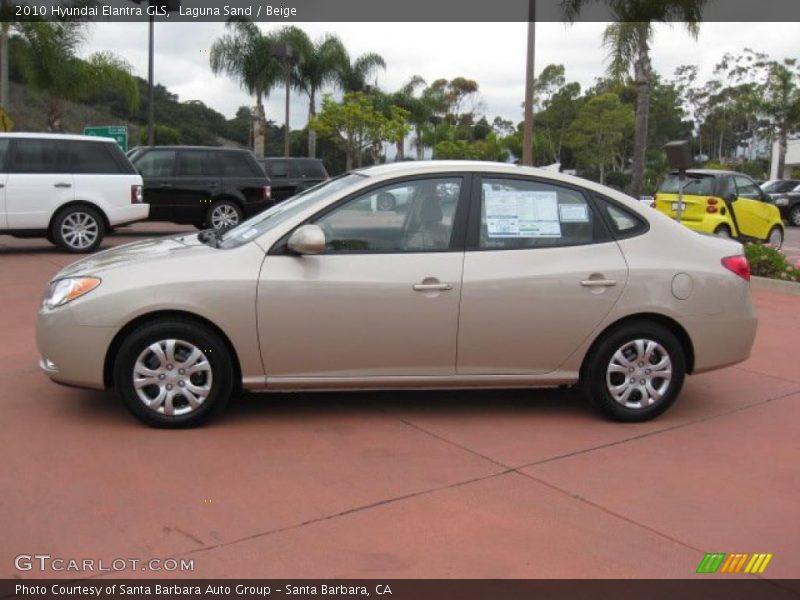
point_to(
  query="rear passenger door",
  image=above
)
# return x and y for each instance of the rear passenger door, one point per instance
(196, 184)
(540, 273)
(96, 175)
(38, 182)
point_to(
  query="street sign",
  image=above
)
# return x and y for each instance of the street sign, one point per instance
(118, 132)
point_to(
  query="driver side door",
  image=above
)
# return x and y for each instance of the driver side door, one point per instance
(375, 303)
(752, 213)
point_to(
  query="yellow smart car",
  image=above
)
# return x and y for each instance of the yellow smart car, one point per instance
(725, 203)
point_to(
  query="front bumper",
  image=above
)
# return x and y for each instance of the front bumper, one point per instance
(72, 354)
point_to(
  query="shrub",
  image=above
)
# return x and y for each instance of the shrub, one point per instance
(766, 261)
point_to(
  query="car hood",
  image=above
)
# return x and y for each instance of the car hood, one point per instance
(146, 250)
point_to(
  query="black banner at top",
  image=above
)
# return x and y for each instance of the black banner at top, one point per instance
(271, 11)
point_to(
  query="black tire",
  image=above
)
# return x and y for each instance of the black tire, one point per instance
(66, 232)
(228, 207)
(215, 357)
(724, 231)
(775, 237)
(794, 215)
(596, 380)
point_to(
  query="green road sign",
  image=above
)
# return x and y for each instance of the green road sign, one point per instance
(118, 132)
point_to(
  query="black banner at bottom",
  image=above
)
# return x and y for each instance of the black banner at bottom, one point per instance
(401, 589)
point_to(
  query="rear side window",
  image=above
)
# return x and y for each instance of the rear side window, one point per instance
(312, 169)
(237, 164)
(37, 156)
(622, 222)
(193, 163)
(693, 185)
(155, 163)
(525, 214)
(92, 157)
(280, 169)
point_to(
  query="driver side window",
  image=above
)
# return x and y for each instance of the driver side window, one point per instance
(747, 188)
(407, 216)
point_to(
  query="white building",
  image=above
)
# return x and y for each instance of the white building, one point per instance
(792, 160)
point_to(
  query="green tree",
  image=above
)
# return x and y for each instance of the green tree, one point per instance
(50, 65)
(781, 103)
(355, 125)
(246, 54)
(353, 74)
(598, 131)
(320, 63)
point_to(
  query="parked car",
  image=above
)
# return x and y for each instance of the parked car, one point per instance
(780, 186)
(70, 189)
(207, 187)
(789, 205)
(289, 176)
(724, 203)
(532, 279)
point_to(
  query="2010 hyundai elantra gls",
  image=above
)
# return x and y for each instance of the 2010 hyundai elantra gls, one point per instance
(410, 275)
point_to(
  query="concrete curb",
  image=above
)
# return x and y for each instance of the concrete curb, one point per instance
(775, 285)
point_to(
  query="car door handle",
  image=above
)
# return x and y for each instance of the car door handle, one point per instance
(594, 283)
(166, 186)
(432, 287)
(63, 185)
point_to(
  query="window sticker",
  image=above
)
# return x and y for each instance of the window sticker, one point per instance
(573, 213)
(522, 214)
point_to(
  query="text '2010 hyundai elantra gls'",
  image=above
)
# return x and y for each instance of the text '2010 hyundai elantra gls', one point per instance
(410, 275)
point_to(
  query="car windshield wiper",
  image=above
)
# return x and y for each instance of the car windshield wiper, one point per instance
(210, 237)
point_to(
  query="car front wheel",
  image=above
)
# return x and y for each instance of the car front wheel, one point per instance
(173, 373)
(775, 238)
(635, 372)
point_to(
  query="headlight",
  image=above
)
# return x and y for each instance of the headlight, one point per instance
(66, 290)
(781, 201)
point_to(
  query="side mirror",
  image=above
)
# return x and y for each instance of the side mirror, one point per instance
(308, 239)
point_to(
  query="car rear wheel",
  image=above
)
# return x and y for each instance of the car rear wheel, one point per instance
(173, 373)
(223, 215)
(635, 372)
(775, 238)
(794, 215)
(77, 229)
(723, 231)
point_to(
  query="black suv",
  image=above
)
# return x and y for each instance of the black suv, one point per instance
(202, 186)
(291, 175)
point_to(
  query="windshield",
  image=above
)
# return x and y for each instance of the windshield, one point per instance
(693, 185)
(264, 221)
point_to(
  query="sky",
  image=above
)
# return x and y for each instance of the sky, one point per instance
(493, 54)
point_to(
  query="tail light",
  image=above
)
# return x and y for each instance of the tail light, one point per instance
(266, 192)
(711, 209)
(137, 194)
(712, 201)
(737, 264)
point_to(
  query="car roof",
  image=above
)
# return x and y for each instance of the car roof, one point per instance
(710, 172)
(57, 136)
(179, 147)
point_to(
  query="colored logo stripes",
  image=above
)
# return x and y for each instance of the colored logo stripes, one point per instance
(734, 563)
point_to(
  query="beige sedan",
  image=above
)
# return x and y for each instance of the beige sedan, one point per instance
(410, 275)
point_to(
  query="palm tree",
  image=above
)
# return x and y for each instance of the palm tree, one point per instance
(320, 62)
(246, 54)
(50, 65)
(353, 75)
(628, 41)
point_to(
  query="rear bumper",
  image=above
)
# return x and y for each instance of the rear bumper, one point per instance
(127, 214)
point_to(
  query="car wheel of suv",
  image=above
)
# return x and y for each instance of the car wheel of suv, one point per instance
(224, 214)
(723, 231)
(173, 373)
(635, 372)
(775, 238)
(794, 215)
(78, 229)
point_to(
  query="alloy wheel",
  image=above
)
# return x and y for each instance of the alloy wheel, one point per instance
(224, 216)
(79, 230)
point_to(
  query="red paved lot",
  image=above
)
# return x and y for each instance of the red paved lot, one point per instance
(429, 484)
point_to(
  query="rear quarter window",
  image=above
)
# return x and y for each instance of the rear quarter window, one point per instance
(238, 164)
(313, 169)
(622, 222)
(93, 158)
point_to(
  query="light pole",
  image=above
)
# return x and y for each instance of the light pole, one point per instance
(527, 132)
(286, 55)
(151, 133)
